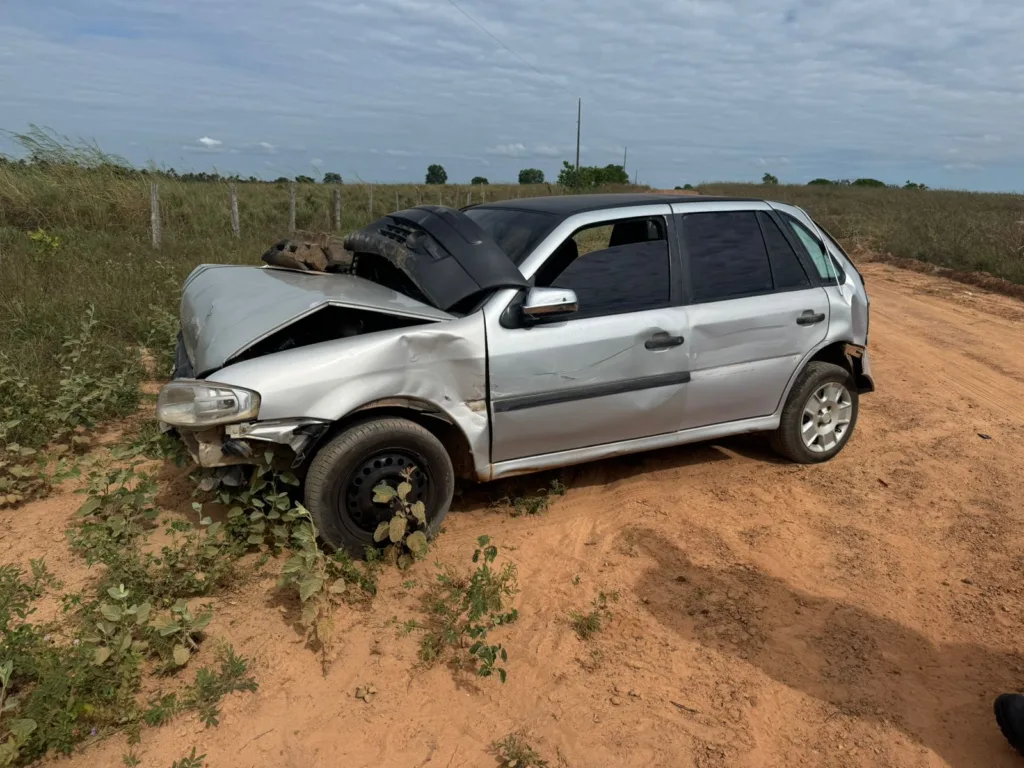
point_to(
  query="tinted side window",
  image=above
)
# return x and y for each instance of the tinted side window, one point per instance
(786, 269)
(623, 278)
(813, 247)
(727, 255)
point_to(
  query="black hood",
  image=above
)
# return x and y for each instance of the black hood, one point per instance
(448, 259)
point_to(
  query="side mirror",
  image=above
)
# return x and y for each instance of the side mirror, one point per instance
(549, 303)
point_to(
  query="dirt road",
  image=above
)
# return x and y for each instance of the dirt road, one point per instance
(861, 613)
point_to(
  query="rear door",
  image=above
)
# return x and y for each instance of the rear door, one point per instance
(755, 311)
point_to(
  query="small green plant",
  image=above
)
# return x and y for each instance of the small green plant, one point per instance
(586, 625)
(405, 532)
(179, 632)
(262, 513)
(120, 628)
(534, 504)
(22, 472)
(44, 241)
(322, 582)
(514, 751)
(119, 510)
(130, 759)
(462, 610)
(205, 694)
(189, 761)
(14, 731)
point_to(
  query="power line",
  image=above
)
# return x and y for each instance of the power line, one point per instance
(487, 32)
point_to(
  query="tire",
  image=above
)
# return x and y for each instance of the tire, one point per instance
(339, 483)
(789, 438)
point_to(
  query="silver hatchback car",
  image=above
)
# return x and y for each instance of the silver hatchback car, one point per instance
(520, 336)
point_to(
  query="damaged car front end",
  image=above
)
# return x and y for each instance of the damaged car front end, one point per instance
(274, 361)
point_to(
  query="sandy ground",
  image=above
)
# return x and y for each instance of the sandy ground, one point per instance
(861, 613)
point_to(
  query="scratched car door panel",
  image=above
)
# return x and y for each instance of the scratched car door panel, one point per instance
(752, 318)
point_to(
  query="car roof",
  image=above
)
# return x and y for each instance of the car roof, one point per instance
(569, 205)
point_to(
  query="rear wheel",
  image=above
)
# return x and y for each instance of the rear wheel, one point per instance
(343, 474)
(819, 415)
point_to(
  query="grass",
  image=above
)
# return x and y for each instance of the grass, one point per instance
(586, 625)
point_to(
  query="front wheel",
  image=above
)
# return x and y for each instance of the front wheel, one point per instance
(819, 415)
(342, 476)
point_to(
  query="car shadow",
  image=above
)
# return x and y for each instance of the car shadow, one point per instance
(862, 664)
(471, 496)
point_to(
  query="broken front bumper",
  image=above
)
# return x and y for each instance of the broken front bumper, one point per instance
(249, 442)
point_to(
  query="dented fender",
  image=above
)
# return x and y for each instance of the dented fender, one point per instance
(441, 364)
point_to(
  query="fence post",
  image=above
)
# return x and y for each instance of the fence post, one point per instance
(483, 195)
(234, 210)
(371, 201)
(154, 213)
(469, 197)
(440, 197)
(291, 208)
(337, 208)
(397, 206)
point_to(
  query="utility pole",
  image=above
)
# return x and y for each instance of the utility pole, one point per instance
(634, 176)
(624, 151)
(579, 120)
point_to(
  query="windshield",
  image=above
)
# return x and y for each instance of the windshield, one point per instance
(515, 232)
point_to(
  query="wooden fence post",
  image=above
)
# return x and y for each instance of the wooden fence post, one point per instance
(234, 210)
(371, 201)
(337, 208)
(469, 197)
(154, 213)
(291, 208)
(397, 207)
(440, 197)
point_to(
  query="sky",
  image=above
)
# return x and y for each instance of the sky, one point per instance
(699, 90)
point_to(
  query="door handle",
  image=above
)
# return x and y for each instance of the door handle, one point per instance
(810, 317)
(663, 341)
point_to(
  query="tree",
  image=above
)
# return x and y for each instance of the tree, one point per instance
(913, 185)
(821, 183)
(769, 179)
(685, 186)
(479, 180)
(591, 176)
(332, 178)
(305, 180)
(281, 180)
(436, 174)
(531, 176)
(875, 183)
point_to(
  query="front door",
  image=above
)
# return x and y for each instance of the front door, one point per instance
(615, 370)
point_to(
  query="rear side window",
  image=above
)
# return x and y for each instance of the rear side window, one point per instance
(813, 247)
(727, 254)
(786, 268)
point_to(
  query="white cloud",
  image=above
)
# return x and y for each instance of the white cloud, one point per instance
(316, 162)
(519, 149)
(209, 143)
(266, 145)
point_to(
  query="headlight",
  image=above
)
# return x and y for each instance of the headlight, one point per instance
(193, 403)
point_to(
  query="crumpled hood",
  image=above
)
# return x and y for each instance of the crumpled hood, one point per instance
(225, 309)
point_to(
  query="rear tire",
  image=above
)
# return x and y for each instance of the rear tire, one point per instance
(819, 416)
(342, 475)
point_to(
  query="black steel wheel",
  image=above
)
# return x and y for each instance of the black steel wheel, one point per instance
(342, 477)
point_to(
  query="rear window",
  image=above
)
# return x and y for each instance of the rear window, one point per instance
(515, 232)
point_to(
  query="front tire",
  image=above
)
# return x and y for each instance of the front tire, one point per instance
(819, 415)
(342, 475)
